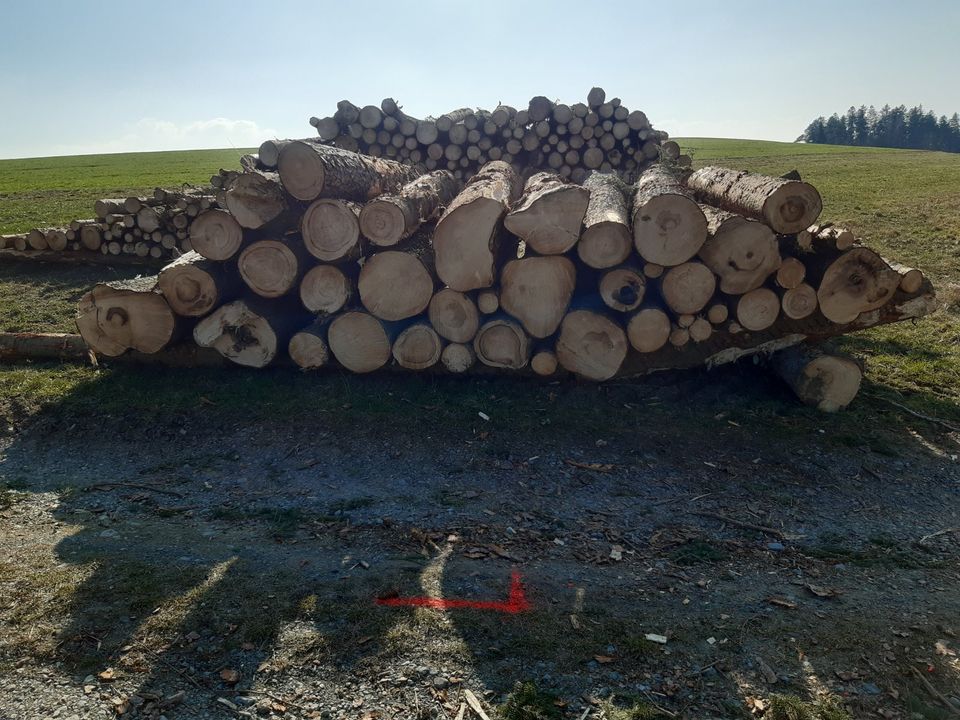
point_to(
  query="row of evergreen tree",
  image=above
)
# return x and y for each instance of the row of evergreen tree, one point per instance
(897, 127)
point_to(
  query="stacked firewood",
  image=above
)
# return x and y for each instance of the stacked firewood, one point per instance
(570, 140)
(153, 227)
(350, 260)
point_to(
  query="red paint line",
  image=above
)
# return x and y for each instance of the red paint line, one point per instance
(516, 601)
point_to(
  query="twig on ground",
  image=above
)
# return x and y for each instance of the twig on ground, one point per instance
(936, 693)
(928, 418)
(745, 525)
(275, 698)
(678, 499)
(135, 486)
(938, 533)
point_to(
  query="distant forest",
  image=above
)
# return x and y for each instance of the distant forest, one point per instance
(896, 127)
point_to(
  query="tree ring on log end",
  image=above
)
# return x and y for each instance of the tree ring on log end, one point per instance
(329, 229)
(359, 342)
(792, 207)
(302, 170)
(382, 223)
(308, 351)
(216, 235)
(269, 268)
(418, 347)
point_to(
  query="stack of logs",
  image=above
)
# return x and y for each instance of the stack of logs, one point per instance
(570, 140)
(146, 227)
(343, 259)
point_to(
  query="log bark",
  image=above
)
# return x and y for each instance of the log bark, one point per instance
(856, 282)
(331, 230)
(398, 284)
(669, 227)
(502, 343)
(126, 315)
(466, 239)
(742, 252)
(326, 289)
(458, 357)
(687, 288)
(606, 240)
(825, 381)
(648, 330)
(193, 285)
(272, 268)
(799, 302)
(549, 214)
(359, 342)
(591, 345)
(417, 347)
(269, 152)
(537, 292)
(454, 316)
(309, 171)
(787, 206)
(308, 347)
(758, 309)
(250, 332)
(389, 219)
(255, 199)
(109, 206)
(622, 289)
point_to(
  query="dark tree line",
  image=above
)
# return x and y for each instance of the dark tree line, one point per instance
(897, 127)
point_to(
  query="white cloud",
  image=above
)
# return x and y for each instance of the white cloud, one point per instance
(149, 134)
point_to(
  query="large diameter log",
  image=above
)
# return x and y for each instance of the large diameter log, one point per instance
(788, 206)
(193, 285)
(687, 288)
(799, 302)
(669, 227)
(827, 382)
(389, 219)
(273, 268)
(742, 252)
(269, 152)
(249, 332)
(91, 237)
(331, 230)
(308, 347)
(758, 309)
(67, 347)
(398, 284)
(606, 240)
(466, 239)
(858, 281)
(126, 315)
(622, 289)
(502, 343)
(325, 289)
(549, 213)
(537, 292)
(359, 342)
(454, 316)
(648, 330)
(309, 171)
(591, 345)
(256, 199)
(417, 347)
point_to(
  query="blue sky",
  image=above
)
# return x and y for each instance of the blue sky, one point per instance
(110, 76)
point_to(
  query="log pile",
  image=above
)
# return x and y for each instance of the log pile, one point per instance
(327, 257)
(149, 228)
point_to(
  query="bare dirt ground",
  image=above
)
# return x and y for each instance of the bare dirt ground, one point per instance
(686, 553)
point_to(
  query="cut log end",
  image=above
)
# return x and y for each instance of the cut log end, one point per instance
(591, 345)
(418, 347)
(395, 285)
(799, 302)
(330, 229)
(502, 343)
(359, 342)
(758, 309)
(544, 363)
(826, 382)
(216, 235)
(858, 281)
(269, 268)
(648, 330)
(454, 316)
(238, 333)
(458, 358)
(309, 350)
(325, 289)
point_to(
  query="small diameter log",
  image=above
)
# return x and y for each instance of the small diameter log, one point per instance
(687, 288)
(502, 343)
(591, 345)
(679, 336)
(250, 332)
(829, 235)
(718, 313)
(741, 252)
(466, 239)
(309, 171)
(458, 357)
(799, 302)
(758, 309)
(488, 301)
(857, 281)
(273, 268)
(255, 199)
(537, 292)
(827, 382)
(126, 315)
(606, 239)
(669, 227)
(308, 347)
(331, 230)
(325, 289)
(398, 284)
(549, 214)
(454, 316)
(911, 279)
(544, 362)
(417, 347)
(648, 330)
(788, 206)
(359, 342)
(653, 270)
(193, 285)
(389, 219)
(791, 273)
(700, 329)
(622, 289)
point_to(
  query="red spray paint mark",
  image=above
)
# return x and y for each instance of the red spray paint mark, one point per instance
(516, 601)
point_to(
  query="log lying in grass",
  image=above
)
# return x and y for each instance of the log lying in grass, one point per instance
(126, 315)
(669, 227)
(193, 285)
(827, 382)
(787, 206)
(389, 219)
(549, 213)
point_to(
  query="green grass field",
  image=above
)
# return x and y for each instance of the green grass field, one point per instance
(905, 204)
